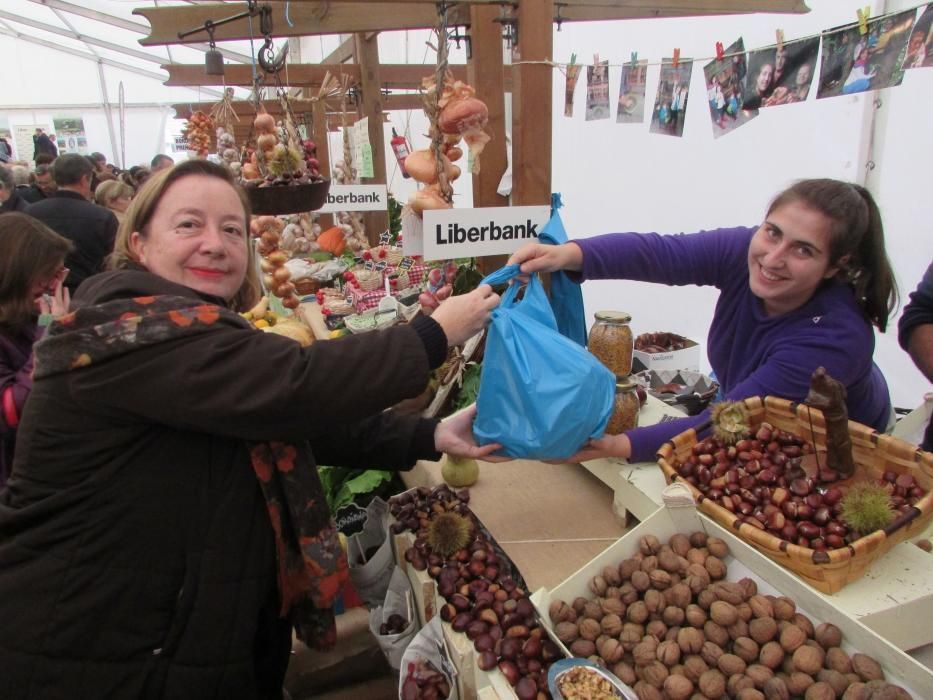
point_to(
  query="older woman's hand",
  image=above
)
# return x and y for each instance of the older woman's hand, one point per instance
(464, 315)
(455, 437)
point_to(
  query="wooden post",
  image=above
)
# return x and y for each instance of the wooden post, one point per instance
(319, 136)
(485, 73)
(367, 55)
(531, 104)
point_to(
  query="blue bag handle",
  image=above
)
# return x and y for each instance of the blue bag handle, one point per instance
(534, 304)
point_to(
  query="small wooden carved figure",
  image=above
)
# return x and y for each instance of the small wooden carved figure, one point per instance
(829, 396)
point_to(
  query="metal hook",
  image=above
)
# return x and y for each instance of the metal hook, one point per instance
(557, 18)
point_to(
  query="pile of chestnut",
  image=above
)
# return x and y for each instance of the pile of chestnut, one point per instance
(670, 625)
(760, 480)
(482, 601)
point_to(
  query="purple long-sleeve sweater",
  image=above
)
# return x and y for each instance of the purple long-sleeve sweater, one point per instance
(752, 353)
(15, 385)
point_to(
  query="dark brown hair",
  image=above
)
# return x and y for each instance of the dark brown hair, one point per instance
(30, 252)
(856, 241)
(143, 207)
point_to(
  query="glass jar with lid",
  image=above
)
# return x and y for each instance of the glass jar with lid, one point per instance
(625, 409)
(611, 341)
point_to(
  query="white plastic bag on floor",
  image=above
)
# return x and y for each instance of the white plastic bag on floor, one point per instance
(370, 575)
(398, 601)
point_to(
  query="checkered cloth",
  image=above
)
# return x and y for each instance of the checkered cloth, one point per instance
(364, 300)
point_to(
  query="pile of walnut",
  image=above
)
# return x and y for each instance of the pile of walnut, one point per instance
(669, 624)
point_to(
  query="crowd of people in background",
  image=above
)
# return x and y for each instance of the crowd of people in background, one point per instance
(58, 223)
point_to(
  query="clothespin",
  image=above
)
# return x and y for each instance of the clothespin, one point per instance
(863, 15)
(720, 52)
(573, 58)
(779, 39)
(634, 59)
(676, 59)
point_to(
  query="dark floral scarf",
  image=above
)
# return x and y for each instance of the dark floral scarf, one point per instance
(312, 567)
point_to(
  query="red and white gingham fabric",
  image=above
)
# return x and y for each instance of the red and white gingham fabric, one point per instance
(367, 300)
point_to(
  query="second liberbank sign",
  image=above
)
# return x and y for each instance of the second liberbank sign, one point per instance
(470, 233)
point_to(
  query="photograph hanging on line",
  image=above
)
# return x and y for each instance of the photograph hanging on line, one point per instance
(724, 88)
(759, 79)
(670, 104)
(920, 44)
(572, 74)
(630, 108)
(794, 68)
(597, 91)
(855, 62)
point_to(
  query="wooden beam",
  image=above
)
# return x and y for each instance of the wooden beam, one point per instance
(484, 72)
(366, 49)
(307, 19)
(341, 54)
(587, 11)
(319, 131)
(531, 104)
(245, 110)
(392, 76)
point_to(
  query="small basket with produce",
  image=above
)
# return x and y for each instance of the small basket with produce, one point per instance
(773, 488)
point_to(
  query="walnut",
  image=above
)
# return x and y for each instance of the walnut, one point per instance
(710, 653)
(803, 622)
(583, 648)
(627, 568)
(828, 635)
(654, 673)
(731, 665)
(836, 680)
(698, 539)
(723, 613)
(657, 629)
(679, 595)
(611, 575)
(598, 585)
(612, 606)
(669, 562)
(713, 684)
(690, 640)
(611, 650)
(775, 689)
(820, 691)
(715, 567)
(739, 629)
(649, 564)
(706, 598)
(749, 586)
(641, 581)
(761, 606)
(646, 691)
(559, 611)
(631, 635)
(589, 629)
(729, 592)
(808, 660)
(798, 682)
(673, 616)
(867, 668)
(593, 610)
(697, 556)
(750, 694)
(625, 673)
(678, 687)
(784, 609)
(762, 629)
(649, 544)
(738, 684)
(746, 649)
(792, 638)
(668, 653)
(637, 612)
(567, 631)
(627, 593)
(695, 615)
(654, 601)
(716, 633)
(760, 674)
(838, 660)
(771, 655)
(660, 579)
(717, 547)
(694, 667)
(611, 625)
(644, 653)
(578, 604)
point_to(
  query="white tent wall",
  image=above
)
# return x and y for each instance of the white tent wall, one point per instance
(619, 177)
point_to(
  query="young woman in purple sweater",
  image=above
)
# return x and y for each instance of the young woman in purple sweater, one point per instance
(32, 269)
(800, 291)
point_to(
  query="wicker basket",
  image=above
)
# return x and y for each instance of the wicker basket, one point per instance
(873, 453)
(392, 256)
(369, 280)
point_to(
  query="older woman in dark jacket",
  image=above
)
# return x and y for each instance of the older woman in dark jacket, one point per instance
(165, 528)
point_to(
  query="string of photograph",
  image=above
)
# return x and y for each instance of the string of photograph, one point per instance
(868, 55)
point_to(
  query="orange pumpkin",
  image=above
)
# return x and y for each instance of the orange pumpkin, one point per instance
(333, 241)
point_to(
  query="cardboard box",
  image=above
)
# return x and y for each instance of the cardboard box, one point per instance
(771, 578)
(688, 358)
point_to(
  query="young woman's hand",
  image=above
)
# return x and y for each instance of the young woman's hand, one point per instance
(455, 437)
(537, 257)
(465, 315)
(57, 302)
(606, 446)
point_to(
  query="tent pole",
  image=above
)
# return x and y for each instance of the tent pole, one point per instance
(107, 110)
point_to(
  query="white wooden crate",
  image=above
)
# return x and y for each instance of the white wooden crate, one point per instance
(744, 560)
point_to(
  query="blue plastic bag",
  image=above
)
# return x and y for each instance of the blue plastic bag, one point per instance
(566, 295)
(541, 395)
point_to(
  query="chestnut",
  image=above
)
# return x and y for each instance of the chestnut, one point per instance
(526, 689)
(828, 476)
(832, 496)
(531, 649)
(487, 661)
(461, 621)
(814, 500)
(460, 602)
(821, 515)
(509, 648)
(807, 529)
(789, 531)
(484, 642)
(448, 612)
(510, 671)
(800, 487)
(834, 541)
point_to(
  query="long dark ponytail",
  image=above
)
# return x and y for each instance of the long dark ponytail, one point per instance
(856, 241)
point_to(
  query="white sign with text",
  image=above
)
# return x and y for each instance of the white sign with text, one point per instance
(475, 233)
(355, 198)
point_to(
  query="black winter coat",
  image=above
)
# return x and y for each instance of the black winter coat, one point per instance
(91, 228)
(136, 553)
